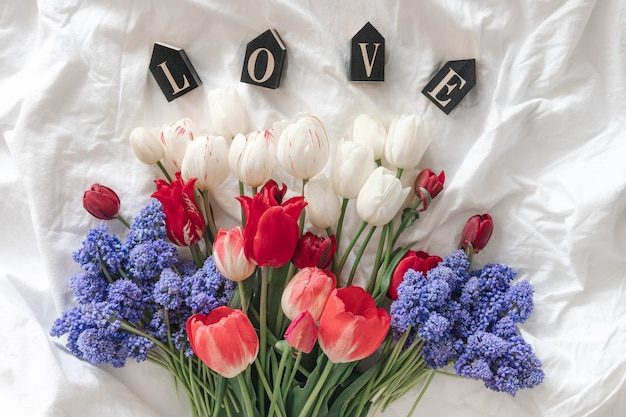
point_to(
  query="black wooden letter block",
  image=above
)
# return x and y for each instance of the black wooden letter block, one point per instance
(451, 84)
(367, 59)
(173, 71)
(264, 61)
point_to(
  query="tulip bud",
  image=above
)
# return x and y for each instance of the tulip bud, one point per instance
(304, 148)
(381, 197)
(407, 141)
(228, 114)
(229, 257)
(476, 233)
(206, 159)
(146, 146)
(302, 333)
(427, 180)
(370, 133)
(101, 202)
(224, 340)
(323, 206)
(315, 251)
(252, 158)
(418, 261)
(175, 138)
(308, 290)
(351, 167)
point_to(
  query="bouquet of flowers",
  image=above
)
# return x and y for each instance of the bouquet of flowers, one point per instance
(275, 316)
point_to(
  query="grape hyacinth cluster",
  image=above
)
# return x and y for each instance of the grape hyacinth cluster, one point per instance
(470, 318)
(134, 294)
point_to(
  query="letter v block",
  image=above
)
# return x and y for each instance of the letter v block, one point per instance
(451, 84)
(173, 71)
(367, 59)
(265, 58)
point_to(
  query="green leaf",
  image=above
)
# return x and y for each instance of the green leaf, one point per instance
(341, 403)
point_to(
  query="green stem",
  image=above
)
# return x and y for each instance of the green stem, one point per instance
(344, 258)
(263, 316)
(344, 206)
(241, 194)
(197, 255)
(316, 390)
(389, 230)
(422, 392)
(123, 220)
(278, 380)
(242, 296)
(245, 394)
(164, 171)
(209, 213)
(360, 254)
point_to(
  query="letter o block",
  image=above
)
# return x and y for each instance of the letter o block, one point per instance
(172, 70)
(264, 60)
(451, 83)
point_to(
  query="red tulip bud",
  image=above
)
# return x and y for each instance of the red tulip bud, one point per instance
(476, 232)
(101, 202)
(418, 261)
(427, 180)
(314, 250)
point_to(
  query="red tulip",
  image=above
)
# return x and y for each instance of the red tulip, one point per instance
(430, 182)
(224, 339)
(314, 250)
(229, 255)
(101, 202)
(418, 261)
(308, 290)
(271, 230)
(302, 333)
(477, 232)
(183, 219)
(351, 327)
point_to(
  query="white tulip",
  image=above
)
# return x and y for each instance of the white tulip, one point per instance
(407, 141)
(323, 206)
(252, 158)
(304, 148)
(368, 131)
(381, 197)
(228, 114)
(146, 146)
(175, 138)
(207, 160)
(350, 168)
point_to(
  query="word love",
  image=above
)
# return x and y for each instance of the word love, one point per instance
(266, 56)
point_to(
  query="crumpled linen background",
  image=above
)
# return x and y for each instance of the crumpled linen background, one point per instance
(539, 143)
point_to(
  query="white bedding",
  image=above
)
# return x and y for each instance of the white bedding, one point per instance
(539, 143)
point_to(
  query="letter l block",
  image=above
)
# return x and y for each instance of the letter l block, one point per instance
(172, 70)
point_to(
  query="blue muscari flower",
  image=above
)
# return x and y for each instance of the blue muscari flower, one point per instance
(100, 250)
(89, 287)
(149, 225)
(125, 300)
(168, 290)
(147, 259)
(207, 289)
(470, 319)
(101, 345)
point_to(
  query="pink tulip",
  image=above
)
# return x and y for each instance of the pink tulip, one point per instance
(308, 290)
(351, 327)
(229, 256)
(302, 333)
(224, 339)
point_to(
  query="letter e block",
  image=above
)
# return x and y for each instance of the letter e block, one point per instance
(173, 71)
(367, 59)
(264, 61)
(451, 84)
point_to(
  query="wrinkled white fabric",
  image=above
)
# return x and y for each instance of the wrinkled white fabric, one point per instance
(539, 143)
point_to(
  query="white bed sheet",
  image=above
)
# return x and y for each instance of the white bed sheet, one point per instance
(539, 143)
